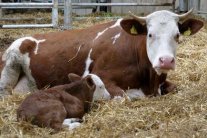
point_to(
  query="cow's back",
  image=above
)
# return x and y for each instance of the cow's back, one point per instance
(61, 53)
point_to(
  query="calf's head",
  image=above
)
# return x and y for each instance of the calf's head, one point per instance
(162, 30)
(92, 81)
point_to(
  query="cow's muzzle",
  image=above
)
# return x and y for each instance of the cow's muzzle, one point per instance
(166, 63)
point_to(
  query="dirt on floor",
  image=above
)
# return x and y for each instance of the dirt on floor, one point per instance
(182, 113)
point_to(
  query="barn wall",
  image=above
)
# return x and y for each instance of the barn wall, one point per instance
(81, 11)
(139, 9)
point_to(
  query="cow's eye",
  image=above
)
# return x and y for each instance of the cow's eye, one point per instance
(177, 36)
(150, 35)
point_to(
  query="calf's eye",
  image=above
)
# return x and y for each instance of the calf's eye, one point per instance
(150, 35)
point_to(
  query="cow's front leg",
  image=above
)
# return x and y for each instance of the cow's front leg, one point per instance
(167, 87)
(114, 90)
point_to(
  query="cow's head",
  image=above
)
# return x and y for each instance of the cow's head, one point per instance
(163, 29)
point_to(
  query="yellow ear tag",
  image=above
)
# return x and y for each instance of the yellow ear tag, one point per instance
(133, 30)
(187, 32)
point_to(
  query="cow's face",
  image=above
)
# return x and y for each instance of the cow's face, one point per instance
(162, 29)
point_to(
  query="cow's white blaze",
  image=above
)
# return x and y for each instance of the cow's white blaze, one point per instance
(161, 38)
(88, 63)
(14, 60)
(116, 37)
(135, 94)
(100, 90)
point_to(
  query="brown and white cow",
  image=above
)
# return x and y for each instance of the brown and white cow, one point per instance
(128, 54)
(50, 107)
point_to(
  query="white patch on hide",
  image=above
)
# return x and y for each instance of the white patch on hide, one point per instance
(135, 94)
(88, 63)
(159, 90)
(100, 33)
(14, 61)
(75, 54)
(117, 24)
(115, 38)
(100, 92)
(37, 45)
(72, 123)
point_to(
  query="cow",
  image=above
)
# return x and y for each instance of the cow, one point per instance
(51, 107)
(132, 55)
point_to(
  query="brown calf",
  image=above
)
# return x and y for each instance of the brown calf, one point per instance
(49, 108)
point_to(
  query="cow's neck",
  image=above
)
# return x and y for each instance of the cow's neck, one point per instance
(148, 78)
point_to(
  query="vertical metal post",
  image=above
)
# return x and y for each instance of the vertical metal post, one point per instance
(199, 6)
(0, 10)
(183, 5)
(173, 5)
(68, 15)
(55, 14)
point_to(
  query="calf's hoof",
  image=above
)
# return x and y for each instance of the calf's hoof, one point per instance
(72, 123)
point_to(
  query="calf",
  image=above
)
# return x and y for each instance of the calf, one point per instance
(49, 108)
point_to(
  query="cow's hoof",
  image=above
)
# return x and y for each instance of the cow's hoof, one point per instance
(167, 87)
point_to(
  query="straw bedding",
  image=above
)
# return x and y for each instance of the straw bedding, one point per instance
(182, 113)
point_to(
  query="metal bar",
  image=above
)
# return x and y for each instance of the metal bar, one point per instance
(17, 19)
(26, 7)
(26, 4)
(68, 15)
(97, 18)
(55, 14)
(121, 4)
(26, 26)
(201, 12)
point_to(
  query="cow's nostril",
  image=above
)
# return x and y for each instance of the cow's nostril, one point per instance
(161, 60)
(173, 60)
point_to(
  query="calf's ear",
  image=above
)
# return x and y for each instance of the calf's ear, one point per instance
(89, 82)
(73, 77)
(190, 26)
(133, 27)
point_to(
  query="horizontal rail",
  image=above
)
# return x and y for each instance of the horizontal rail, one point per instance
(49, 5)
(121, 4)
(97, 18)
(201, 12)
(18, 19)
(26, 4)
(26, 26)
(20, 7)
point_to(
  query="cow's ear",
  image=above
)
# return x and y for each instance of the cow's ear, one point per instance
(73, 77)
(190, 26)
(89, 82)
(133, 27)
